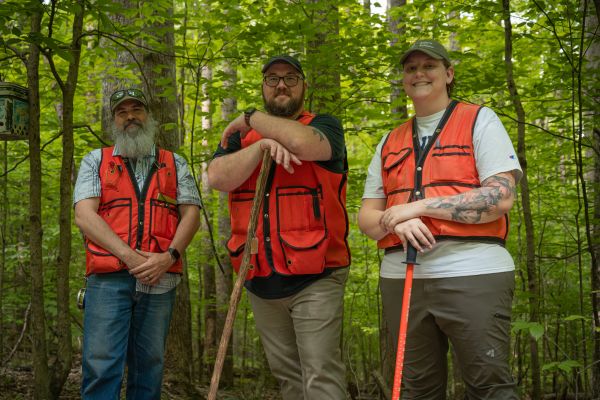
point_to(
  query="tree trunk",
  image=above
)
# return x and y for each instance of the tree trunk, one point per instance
(208, 290)
(224, 281)
(41, 376)
(224, 286)
(532, 276)
(160, 83)
(398, 109)
(63, 361)
(123, 59)
(324, 91)
(3, 242)
(591, 101)
(159, 66)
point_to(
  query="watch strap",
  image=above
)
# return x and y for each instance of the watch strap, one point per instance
(174, 253)
(247, 114)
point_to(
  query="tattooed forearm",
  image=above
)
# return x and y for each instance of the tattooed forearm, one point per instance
(478, 205)
(319, 134)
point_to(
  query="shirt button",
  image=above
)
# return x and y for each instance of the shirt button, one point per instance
(418, 193)
(419, 168)
(268, 239)
(266, 215)
(267, 195)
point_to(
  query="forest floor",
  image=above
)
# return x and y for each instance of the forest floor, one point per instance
(16, 384)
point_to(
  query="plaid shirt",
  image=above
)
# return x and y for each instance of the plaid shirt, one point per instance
(88, 185)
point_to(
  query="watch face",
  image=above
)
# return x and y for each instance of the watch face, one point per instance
(174, 253)
(248, 113)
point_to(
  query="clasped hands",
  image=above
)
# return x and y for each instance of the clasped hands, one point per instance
(148, 267)
(403, 221)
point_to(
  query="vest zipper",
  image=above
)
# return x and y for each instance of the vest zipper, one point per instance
(141, 196)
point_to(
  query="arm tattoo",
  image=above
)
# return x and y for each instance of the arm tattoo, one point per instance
(319, 134)
(469, 207)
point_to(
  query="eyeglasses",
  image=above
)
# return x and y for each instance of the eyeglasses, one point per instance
(119, 94)
(289, 80)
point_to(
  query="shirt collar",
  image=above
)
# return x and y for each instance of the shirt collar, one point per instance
(116, 151)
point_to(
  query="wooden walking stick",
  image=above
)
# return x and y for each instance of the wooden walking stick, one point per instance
(250, 248)
(411, 261)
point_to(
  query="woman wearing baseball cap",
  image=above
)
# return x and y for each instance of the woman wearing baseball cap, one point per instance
(444, 181)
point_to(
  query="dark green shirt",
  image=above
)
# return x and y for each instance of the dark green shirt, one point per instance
(276, 285)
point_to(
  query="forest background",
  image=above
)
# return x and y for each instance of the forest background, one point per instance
(534, 62)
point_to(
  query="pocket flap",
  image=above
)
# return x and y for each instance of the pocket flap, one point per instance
(235, 245)
(393, 159)
(303, 239)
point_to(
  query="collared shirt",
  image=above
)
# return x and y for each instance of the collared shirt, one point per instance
(88, 186)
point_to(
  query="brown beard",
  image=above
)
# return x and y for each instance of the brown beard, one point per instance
(288, 110)
(137, 142)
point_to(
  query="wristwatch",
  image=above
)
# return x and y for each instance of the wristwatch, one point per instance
(174, 253)
(248, 113)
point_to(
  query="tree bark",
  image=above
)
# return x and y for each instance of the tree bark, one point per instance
(398, 109)
(532, 276)
(123, 59)
(224, 286)
(63, 360)
(159, 66)
(224, 281)
(41, 376)
(591, 101)
(160, 83)
(208, 290)
(324, 92)
(3, 241)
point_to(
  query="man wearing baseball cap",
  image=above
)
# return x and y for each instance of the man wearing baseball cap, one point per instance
(444, 182)
(138, 208)
(296, 285)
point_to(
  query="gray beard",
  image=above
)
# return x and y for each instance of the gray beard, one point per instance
(136, 142)
(292, 107)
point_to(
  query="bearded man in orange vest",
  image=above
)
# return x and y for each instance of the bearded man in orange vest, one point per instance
(444, 182)
(296, 287)
(138, 208)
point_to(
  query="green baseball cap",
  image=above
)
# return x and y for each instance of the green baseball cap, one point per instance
(120, 96)
(286, 59)
(430, 47)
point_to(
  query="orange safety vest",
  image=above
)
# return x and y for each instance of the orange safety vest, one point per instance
(445, 167)
(303, 225)
(146, 219)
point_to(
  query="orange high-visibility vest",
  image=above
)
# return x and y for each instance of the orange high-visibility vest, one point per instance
(146, 219)
(445, 167)
(303, 225)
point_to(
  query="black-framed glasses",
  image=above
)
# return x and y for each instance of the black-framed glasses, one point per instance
(289, 80)
(119, 94)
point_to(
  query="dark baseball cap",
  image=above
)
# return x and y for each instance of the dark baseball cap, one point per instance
(286, 59)
(120, 96)
(430, 47)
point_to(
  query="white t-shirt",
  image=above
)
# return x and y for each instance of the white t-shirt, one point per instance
(494, 153)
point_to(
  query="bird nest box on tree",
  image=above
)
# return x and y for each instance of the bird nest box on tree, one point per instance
(14, 112)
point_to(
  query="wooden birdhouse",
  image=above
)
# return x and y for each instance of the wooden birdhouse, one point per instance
(14, 112)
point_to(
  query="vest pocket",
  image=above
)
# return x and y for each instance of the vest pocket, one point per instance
(240, 206)
(164, 217)
(117, 214)
(302, 229)
(452, 163)
(235, 246)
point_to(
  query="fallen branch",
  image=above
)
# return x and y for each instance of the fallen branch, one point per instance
(383, 387)
(21, 336)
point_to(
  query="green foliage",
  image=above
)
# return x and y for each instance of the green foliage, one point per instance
(547, 44)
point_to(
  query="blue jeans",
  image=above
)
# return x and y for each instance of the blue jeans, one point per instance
(122, 325)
